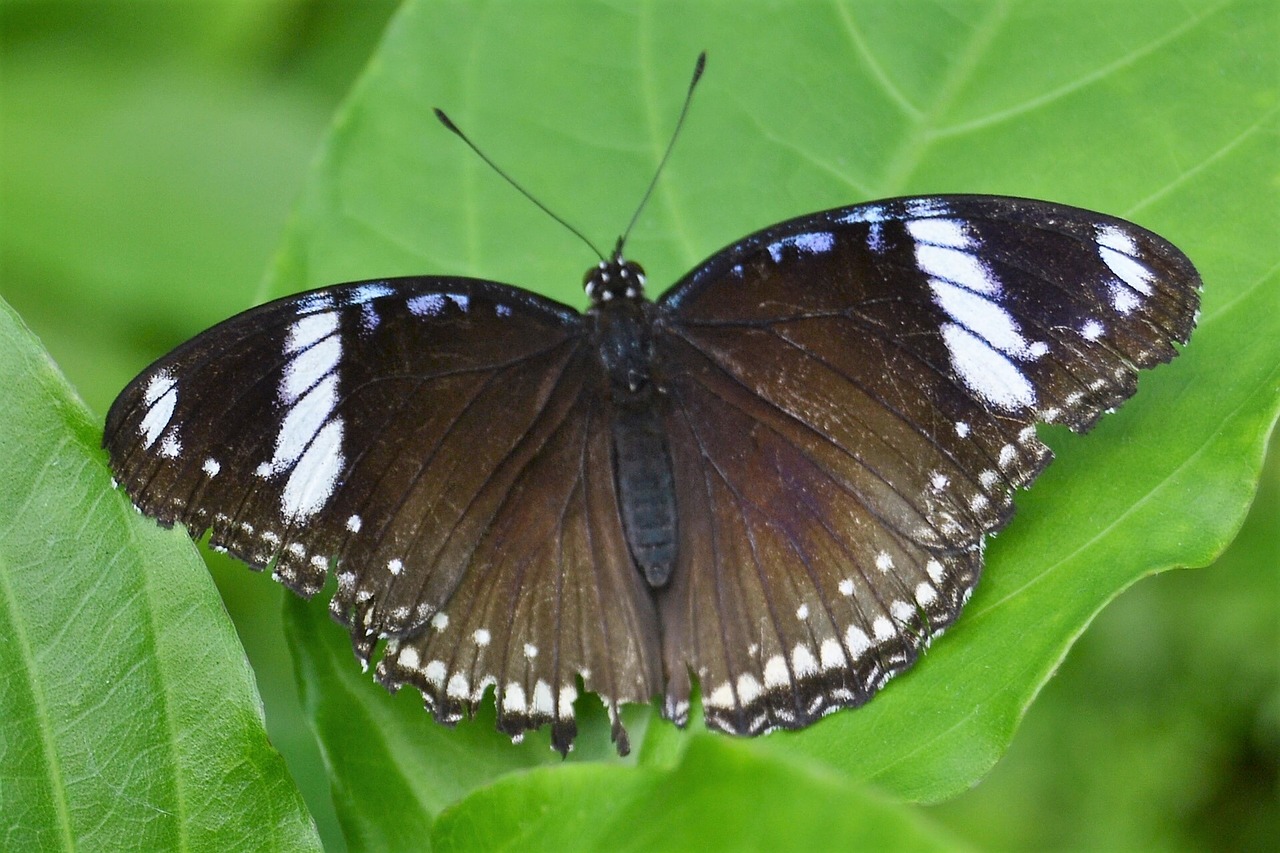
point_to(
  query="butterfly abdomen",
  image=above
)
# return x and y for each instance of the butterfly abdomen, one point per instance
(622, 333)
(646, 491)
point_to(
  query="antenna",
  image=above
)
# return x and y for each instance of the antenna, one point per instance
(448, 122)
(698, 68)
(617, 249)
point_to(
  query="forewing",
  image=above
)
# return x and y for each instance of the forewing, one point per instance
(410, 434)
(853, 397)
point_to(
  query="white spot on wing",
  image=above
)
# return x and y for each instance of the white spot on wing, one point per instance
(481, 636)
(440, 621)
(882, 628)
(1008, 455)
(802, 612)
(856, 642)
(802, 661)
(435, 671)
(956, 266)
(313, 302)
(875, 238)
(409, 657)
(564, 702)
(368, 292)
(884, 562)
(864, 213)
(941, 232)
(425, 304)
(309, 330)
(486, 681)
(170, 446)
(309, 366)
(161, 397)
(830, 654)
(1116, 249)
(846, 586)
(984, 317)
(1116, 238)
(353, 523)
(776, 673)
(513, 699)
(987, 372)
(925, 206)
(211, 467)
(530, 651)
(811, 243)
(301, 424)
(1092, 330)
(543, 700)
(1122, 298)
(314, 478)
(749, 688)
(458, 687)
(396, 566)
(721, 697)
(935, 570)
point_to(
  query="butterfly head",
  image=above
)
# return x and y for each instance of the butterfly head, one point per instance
(616, 278)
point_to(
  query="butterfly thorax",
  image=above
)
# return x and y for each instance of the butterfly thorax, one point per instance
(621, 321)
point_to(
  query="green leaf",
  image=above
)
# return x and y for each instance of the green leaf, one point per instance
(720, 796)
(397, 768)
(128, 713)
(1164, 114)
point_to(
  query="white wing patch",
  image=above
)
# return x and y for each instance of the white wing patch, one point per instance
(956, 266)
(811, 243)
(309, 442)
(161, 398)
(941, 232)
(985, 371)
(312, 481)
(986, 318)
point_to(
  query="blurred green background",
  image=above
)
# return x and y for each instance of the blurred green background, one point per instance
(149, 157)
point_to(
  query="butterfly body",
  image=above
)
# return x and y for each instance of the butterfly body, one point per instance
(621, 325)
(775, 480)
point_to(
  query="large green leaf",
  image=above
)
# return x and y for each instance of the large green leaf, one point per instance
(150, 155)
(395, 767)
(1164, 114)
(128, 713)
(774, 805)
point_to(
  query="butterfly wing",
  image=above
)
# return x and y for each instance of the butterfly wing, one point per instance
(852, 400)
(430, 440)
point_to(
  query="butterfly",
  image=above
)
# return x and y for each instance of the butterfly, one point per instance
(775, 480)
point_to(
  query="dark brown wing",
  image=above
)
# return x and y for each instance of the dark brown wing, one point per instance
(549, 596)
(427, 439)
(852, 401)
